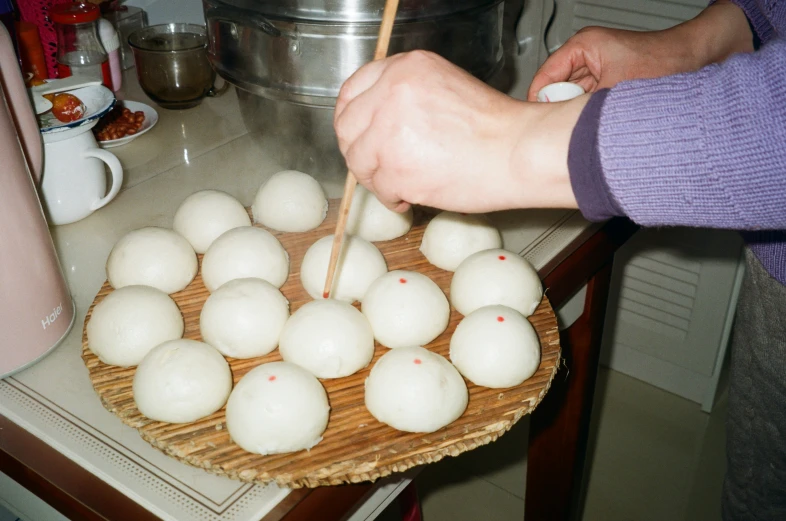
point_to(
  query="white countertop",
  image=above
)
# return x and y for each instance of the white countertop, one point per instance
(196, 149)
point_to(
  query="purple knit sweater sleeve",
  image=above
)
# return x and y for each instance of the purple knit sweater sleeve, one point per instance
(699, 149)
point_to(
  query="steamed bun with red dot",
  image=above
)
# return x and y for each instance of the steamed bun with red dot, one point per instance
(452, 237)
(496, 277)
(277, 407)
(414, 390)
(495, 346)
(405, 308)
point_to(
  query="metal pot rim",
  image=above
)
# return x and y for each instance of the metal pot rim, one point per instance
(274, 11)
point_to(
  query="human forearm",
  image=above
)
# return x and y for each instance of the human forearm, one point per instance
(719, 31)
(540, 157)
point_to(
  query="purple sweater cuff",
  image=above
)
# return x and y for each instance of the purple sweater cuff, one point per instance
(586, 173)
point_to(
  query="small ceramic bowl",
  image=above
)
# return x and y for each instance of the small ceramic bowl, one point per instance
(562, 91)
(151, 118)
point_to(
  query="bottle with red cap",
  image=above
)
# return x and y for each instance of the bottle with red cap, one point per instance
(79, 49)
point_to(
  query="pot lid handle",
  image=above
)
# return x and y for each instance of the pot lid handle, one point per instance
(234, 15)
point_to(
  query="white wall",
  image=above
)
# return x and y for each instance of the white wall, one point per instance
(165, 11)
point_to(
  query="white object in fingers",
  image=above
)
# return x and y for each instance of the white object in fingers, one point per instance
(359, 264)
(152, 256)
(244, 318)
(496, 277)
(205, 215)
(405, 308)
(246, 252)
(290, 201)
(414, 390)
(371, 220)
(277, 407)
(131, 321)
(329, 338)
(181, 381)
(452, 237)
(495, 346)
(561, 91)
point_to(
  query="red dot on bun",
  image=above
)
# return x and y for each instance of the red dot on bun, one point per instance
(272, 378)
(500, 319)
(501, 257)
(417, 361)
(403, 281)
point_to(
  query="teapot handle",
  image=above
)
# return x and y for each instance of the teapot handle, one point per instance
(19, 105)
(117, 174)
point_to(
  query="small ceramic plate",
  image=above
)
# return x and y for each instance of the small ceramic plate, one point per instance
(98, 100)
(151, 118)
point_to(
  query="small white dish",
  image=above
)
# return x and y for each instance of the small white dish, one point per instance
(98, 100)
(561, 91)
(151, 118)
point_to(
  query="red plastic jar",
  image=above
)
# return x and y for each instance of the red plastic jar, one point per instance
(79, 49)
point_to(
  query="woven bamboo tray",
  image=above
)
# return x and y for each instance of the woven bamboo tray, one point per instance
(356, 447)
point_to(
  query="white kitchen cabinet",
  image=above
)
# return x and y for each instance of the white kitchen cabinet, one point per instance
(671, 307)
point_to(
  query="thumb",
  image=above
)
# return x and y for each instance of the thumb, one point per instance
(560, 66)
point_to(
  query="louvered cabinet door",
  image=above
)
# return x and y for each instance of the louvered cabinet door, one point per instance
(673, 297)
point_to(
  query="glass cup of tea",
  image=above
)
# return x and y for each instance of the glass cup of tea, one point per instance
(172, 65)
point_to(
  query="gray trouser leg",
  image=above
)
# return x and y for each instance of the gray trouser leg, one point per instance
(755, 485)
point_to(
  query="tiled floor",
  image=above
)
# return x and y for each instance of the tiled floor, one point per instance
(656, 456)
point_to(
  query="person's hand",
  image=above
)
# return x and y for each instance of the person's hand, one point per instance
(416, 129)
(598, 57)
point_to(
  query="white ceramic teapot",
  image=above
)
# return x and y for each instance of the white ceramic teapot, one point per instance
(73, 184)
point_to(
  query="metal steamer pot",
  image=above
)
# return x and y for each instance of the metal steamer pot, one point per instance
(290, 58)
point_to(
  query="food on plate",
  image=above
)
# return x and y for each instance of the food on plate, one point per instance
(290, 201)
(277, 407)
(119, 123)
(452, 237)
(328, 338)
(359, 264)
(131, 321)
(496, 277)
(405, 308)
(152, 256)
(495, 346)
(181, 381)
(244, 318)
(203, 216)
(414, 390)
(67, 107)
(371, 220)
(245, 252)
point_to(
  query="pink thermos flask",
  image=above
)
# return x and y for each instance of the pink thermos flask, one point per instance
(36, 310)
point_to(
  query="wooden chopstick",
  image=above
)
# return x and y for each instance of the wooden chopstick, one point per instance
(383, 42)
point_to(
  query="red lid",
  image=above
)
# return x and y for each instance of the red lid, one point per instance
(74, 13)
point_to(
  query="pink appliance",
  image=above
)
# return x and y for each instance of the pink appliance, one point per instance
(36, 310)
